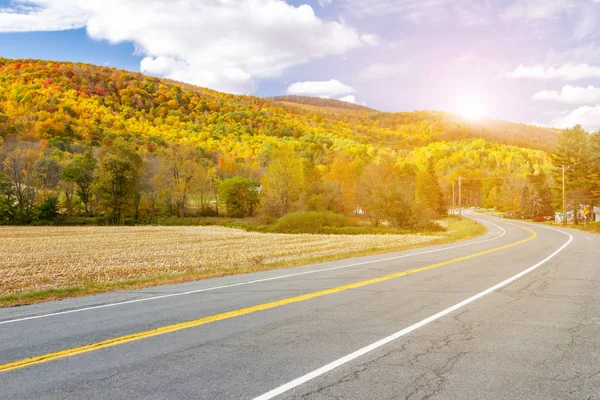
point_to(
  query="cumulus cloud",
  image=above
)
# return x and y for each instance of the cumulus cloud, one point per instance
(382, 71)
(570, 94)
(222, 44)
(569, 72)
(41, 15)
(349, 99)
(586, 116)
(330, 88)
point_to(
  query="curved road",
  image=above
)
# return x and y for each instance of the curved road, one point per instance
(514, 314)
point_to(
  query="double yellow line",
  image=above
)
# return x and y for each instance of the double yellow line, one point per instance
(236, 313)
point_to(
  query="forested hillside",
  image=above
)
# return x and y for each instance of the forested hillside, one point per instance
(83, 140)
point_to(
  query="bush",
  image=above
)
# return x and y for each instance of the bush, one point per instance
(311, 222)
(240, 196)
(48, 210)
(539, 218)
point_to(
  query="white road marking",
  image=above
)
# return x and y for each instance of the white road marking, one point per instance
(346, 359)
(165, 296)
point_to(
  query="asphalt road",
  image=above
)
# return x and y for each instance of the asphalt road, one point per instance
(514, 314)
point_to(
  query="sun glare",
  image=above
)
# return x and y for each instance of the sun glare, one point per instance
(471, 107)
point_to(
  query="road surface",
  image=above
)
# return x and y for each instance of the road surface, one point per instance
(514, 314)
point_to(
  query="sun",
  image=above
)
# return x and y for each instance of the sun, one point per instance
(471, 107)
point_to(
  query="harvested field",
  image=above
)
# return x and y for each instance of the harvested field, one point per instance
(39, 258)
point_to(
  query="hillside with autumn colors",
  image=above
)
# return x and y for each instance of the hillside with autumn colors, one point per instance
(69, 114)
(86, 103)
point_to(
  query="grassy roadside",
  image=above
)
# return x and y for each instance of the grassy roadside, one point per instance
(457, 230)
(591, 227)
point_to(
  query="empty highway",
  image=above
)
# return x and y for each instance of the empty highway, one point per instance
(513, 314)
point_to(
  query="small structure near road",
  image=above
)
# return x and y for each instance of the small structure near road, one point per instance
(560, 217)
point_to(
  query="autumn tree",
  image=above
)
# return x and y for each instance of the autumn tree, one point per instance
(182, 171)
(341, 180)
(511, 195)
(387, 193)
(283, 181)
(116, 179)
(429, 197)
(318, 195)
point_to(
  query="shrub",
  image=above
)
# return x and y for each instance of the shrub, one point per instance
(240, 196)
(311, 222)
(48, 210)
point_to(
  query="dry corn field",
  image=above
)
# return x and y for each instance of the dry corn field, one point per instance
(53, 257)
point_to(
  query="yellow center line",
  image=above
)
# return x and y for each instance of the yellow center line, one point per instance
(237, 313)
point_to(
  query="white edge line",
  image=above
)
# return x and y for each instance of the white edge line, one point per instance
(341, 361)
(11, 321)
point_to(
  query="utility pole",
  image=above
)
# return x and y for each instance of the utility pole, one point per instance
(460, 197)
(453, 198)
(564, 198)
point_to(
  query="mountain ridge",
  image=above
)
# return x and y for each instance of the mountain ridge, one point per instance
(123, 92)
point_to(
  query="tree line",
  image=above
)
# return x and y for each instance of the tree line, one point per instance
(579, 153)
(118, 183)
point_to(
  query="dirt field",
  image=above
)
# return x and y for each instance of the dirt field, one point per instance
(39, 258)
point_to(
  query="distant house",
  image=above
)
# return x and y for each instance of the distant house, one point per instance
(596, 214)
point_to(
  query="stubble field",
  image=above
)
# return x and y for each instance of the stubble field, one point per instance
(49, 258)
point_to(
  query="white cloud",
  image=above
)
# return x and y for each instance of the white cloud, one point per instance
(586, 116)
(371, 39)
(349, 99)
(222, 44)
(382, 71)
(469, 12)
(41, 15)
(538, 9)
(324, 3)
(569, 72)
(330, 88)
(570, 94)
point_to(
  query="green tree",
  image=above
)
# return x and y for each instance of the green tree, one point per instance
(240, 196)
(7, 201)
(19, 165)
(48, 210)
(540, 201)
(117, 176)
(594, 163)
(81, 172)
(573, 152)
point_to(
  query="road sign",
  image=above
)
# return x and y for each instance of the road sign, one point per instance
(586, 211)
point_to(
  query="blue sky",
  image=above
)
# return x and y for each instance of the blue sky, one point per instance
(530, 61)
